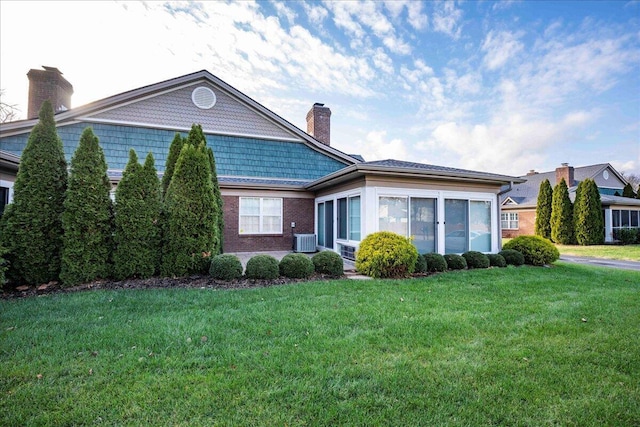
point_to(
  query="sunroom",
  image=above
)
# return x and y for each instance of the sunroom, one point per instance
(444, 210)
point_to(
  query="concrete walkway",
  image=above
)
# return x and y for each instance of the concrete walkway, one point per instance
(601, 262)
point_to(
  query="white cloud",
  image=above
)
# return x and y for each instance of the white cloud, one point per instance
(375, 146)
(500, 47)
(446, 18)
(285, 11)
(416, 18)
(317, 14)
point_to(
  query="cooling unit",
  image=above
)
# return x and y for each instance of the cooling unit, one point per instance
(304, 242)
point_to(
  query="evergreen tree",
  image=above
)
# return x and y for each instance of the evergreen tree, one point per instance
(587, 214)
(638, 193)
(219, 203)
(190, 232)
(88, 215)
(628, 191)
(174, 152)
(34, 227)
(561, 215)
(137, 210)
(543, 210)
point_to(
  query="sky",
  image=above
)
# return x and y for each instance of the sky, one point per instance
(503, 87)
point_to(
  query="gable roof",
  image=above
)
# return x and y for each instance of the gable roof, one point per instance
(118, 109)
(526, 193)
(399, 168)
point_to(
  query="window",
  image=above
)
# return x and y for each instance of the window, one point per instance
(4, 198)
(480, 226)
(392, 214)
(349, 218)
(509, 221)
(260, 215)
(456, 226)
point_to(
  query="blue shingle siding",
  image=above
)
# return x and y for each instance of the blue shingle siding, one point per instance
(235, 156)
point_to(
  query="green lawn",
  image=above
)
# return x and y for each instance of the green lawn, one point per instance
(517, 346)
(627, 252)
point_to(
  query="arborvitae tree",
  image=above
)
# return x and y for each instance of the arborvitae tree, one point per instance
(174, 152)
(561, 215)
(543, 210)
(190, 232)
(88, 215)
(628, 191)
(219, 203)
(34, 228)
(137, 210)
(587, 214)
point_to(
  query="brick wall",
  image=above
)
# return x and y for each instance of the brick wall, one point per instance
(526, 224)
(300, 211)
(48, 84)
(319, 123)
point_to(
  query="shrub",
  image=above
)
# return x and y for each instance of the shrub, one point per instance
(296, 266)
(88, 215)
(562, 215)
(421, 265)
(4, 264)
(497, 260)
(535, 249)
(543, 210)
(35, 225)
(328, 262)
(386, 255)
(262, 267)
(512, 257)
(225, 267)
(626, 236)
(435, 262)
(455, 262)
(587, 214)
(476, 259)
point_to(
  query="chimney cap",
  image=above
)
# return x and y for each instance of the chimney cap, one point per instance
(565, 164)
(318, 104)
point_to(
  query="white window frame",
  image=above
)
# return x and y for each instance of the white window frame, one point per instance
(261, 215)
(512, 220)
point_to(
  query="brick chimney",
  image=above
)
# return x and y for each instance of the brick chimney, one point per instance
(565, 171)
(48, 84)
(532, 172)
(319, 123)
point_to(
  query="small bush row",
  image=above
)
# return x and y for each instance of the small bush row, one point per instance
(266, 267)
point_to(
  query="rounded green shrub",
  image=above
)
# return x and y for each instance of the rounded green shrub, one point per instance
(328, 262)
(535, 249)
(296, 266)
(455, 262)
(225, 267)
(512, 257)
(421, 265)
(262, 267)
(496, 260)
(626, 236)
(435, 262)
(476, 259)
(386, 255)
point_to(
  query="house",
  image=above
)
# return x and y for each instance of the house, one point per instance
(518, 202)
(282, 187)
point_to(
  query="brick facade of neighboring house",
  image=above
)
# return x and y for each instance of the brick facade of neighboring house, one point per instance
(518, 202)
(277, 181)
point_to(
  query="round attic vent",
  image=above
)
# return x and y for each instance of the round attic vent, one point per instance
(203, 97)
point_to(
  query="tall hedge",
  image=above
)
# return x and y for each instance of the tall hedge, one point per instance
(561, 215)
(587, 214)
(137, 212)
(172, 158)
(88, 215)
(627, 191)
(543, 210)
(33, 236)
(190, 233)
(218, 198)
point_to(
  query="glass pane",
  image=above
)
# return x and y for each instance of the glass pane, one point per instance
(392, 213)
(480, 226)
(249, 206)
(423, 224)
(354, 218)
(271, 207)
(321, 224)
(456, 226)
(328, 220)
(342, 218)
(249, 224)
(625, 218)
(615, 214)
(634, 218)
(271, 224)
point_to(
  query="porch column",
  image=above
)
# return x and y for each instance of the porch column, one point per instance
(608, 225)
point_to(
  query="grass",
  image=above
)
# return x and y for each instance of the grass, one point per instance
(626, 252)
(516, 346)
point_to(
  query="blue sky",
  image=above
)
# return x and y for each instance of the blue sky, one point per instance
(502, 87)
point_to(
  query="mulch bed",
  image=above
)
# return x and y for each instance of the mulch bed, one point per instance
(191, 282)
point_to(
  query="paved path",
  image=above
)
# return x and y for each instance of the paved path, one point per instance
(601, 262)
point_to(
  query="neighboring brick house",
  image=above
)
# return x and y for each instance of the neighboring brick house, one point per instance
(518, 202)
(278, 183)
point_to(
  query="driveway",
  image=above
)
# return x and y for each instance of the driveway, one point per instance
(601, 262)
